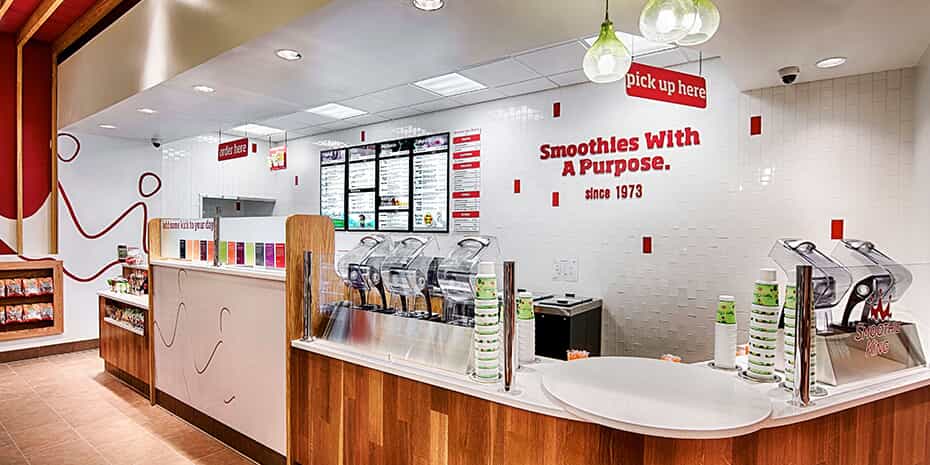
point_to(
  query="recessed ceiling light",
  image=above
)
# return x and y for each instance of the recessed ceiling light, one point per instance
(637, 45)
(204, 89)
(831, 62)
(147, 111)
(451, 84)
(288, 54)
(336, 111)
(257, 129)
(107, 126)
(429, 5)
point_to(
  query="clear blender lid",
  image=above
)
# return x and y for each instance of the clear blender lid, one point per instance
(367, 249)
(864, 260)
(458, 270)
(406, 269)
(831, 280)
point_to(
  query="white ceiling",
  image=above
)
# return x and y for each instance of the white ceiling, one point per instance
(364, 54)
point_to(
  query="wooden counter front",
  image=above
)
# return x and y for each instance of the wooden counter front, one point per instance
(345, 414)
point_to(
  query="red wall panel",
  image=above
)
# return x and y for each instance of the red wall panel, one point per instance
(37, 126)
(7, 131)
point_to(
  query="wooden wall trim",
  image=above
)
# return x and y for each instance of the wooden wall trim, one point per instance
(154, 238)
(45, 351)
(19, 149)
(5, 6)
(42, 13)
(53, 185)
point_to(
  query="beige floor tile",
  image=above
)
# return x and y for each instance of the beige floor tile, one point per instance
(26, 412)
(224, 457)
(194, 444)
(136, 450)
(10, 455)
(108, 431)
(77, 452)
(5, 439)
(34, 440)
(14, 388)
(88, 412)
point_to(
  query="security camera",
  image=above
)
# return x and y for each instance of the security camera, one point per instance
(156, 142)
(789, 75)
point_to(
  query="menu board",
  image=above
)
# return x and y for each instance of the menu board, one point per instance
(400, 185)
(431, 184)
(333, 186)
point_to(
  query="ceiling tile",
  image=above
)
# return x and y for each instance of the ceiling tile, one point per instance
(526, 87)
(295, 121)
(365, 119)
(555, 60)
(437, 105)
(569, 78)
(479, 96)
(663, 59)
(500, 73)
(368, 103)
(405, 95)
(399, 113)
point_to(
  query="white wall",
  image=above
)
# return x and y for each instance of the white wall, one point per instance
(102, 182)
(836, 149)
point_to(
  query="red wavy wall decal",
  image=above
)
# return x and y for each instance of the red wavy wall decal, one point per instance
(114, 223)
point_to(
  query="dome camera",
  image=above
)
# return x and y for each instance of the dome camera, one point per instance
(156, 143)
(789, 75)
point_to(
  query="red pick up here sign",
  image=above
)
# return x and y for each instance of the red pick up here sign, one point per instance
(666, 86)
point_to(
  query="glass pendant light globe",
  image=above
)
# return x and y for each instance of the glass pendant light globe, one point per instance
(706, 21)
(608, 60)
(667, 21)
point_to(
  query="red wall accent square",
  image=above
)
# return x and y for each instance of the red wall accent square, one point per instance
(555, 199)
(755, 125)
(254, 148)
(516, 186)
(363, 136)
(556, 109)
(647, 244)
(836, 229)
(296, 181)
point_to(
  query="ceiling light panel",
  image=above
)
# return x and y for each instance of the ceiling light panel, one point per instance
(831, 62)
(257, 129)
(336, 111)
(450, 84)
(288, 54)
(500, 73)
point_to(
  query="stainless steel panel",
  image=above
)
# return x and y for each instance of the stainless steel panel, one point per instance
(842, 359)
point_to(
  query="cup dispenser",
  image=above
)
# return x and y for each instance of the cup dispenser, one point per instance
(457, 273)
(360, 269)
(406, 273)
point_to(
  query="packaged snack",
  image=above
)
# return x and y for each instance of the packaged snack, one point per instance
(31, 287)
(2, 292)
(14, 314)
(46, 285)
(671, 358)
(46, 312)
(2, 316)
(32, 312)
(14, 287)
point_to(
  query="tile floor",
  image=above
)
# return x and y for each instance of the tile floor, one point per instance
(65, 410)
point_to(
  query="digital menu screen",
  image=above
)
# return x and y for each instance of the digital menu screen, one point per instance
(333, 186)
(400, 185)
(431, 184)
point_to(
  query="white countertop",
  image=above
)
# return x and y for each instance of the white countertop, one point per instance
(271, 274)
(529, 394)
(138, 301)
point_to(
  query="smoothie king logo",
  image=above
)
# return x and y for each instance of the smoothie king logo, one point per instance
(598, 157)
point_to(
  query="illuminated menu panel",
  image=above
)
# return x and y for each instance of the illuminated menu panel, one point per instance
(333, 186)
(431, 183)
(400, 185)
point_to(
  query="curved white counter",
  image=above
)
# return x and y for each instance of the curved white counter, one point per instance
(529, 394)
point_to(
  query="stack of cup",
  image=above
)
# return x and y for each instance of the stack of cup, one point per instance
(725, 333)
(791, 306)
(526, 327)
(763, 327)
(487, 325)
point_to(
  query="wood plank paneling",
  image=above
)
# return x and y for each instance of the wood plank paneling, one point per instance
(348, 414)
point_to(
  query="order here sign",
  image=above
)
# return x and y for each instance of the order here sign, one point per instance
(233, 149)
(665, 85)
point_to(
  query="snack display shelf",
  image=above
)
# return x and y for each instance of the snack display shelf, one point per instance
(124, 325)
(137, 301)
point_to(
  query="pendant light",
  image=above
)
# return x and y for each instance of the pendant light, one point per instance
(608, 60)
(706, 21)
(667, 21)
